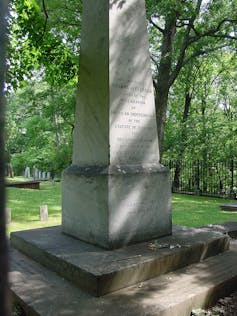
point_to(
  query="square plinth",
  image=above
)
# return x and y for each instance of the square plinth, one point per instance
(116, 206)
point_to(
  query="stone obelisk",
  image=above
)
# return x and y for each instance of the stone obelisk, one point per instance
(115, 192)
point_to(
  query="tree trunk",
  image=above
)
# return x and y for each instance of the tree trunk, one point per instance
(204, 141)
(55, 122)
(57, 135)
(162, 85)
(178, 164)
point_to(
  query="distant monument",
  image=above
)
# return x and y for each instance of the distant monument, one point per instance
(115, 192)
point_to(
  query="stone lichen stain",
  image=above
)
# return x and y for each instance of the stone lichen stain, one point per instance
(119, 3)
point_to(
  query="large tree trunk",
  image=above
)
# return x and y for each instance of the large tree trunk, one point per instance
(205, 141)
(163, 83)
(182, 147)
(169, 67)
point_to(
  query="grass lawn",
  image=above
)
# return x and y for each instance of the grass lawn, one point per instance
(191, 210)
(186, 209)
(18, 179)
(25, 204)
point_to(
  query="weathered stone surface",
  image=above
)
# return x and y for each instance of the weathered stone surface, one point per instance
(101, 271)
(42, 292)
(43, 213)
(115, 118)
(116, 192)
(229, 228)
(118, 207)
(8, 215)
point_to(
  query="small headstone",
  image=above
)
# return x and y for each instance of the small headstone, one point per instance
(35, 173)
(27, 172)
(48, 175)
(43, 213)
(40, 175)
(43, 175)
(8, 212)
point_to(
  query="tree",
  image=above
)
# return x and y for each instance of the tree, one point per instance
(43, 36)
(180, 32)
(43, 61)
(186, 30)
(208, 134)
(40, 126)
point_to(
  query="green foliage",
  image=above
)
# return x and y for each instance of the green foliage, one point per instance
(44, 46)
(210, 130)
(42, 39)
(39, 127)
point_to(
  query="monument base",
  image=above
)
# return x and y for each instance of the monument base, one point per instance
(100, 271)
(114, 206)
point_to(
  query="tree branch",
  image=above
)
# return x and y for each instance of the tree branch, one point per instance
(156, 26)
(45, 23)
(203, 52)
(226, 36)
(185, 44)
(210, 32)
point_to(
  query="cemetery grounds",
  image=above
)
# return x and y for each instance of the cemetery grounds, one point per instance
(187, 210)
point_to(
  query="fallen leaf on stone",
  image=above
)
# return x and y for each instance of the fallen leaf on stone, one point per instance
(151, 246)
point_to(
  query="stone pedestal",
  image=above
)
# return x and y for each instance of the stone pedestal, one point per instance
(115, 192)
(113, 206)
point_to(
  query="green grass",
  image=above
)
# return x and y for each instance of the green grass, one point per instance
(25, 204)
(18, 179)
(191, 210)
(187, 210)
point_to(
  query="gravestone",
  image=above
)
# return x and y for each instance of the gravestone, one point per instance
(48, 175)
(40, 174)
(8, 214)
(35, 173)
(27, 172)
(43, 175)
(230, 207)
(115, 192)
(44, 213)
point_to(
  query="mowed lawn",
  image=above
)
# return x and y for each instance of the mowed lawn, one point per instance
(186, 209)
(189, 210)
(25, 205)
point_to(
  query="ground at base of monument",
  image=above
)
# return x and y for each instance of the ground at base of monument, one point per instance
(100, 271)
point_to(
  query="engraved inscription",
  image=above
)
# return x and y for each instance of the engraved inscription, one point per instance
(133, 124)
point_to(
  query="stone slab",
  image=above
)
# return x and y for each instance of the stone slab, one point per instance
(101, 271)
(229, 228)
(232, 207)
(31, 184)
(44, 293)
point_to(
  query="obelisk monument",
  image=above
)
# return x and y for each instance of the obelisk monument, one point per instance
(115, 192)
